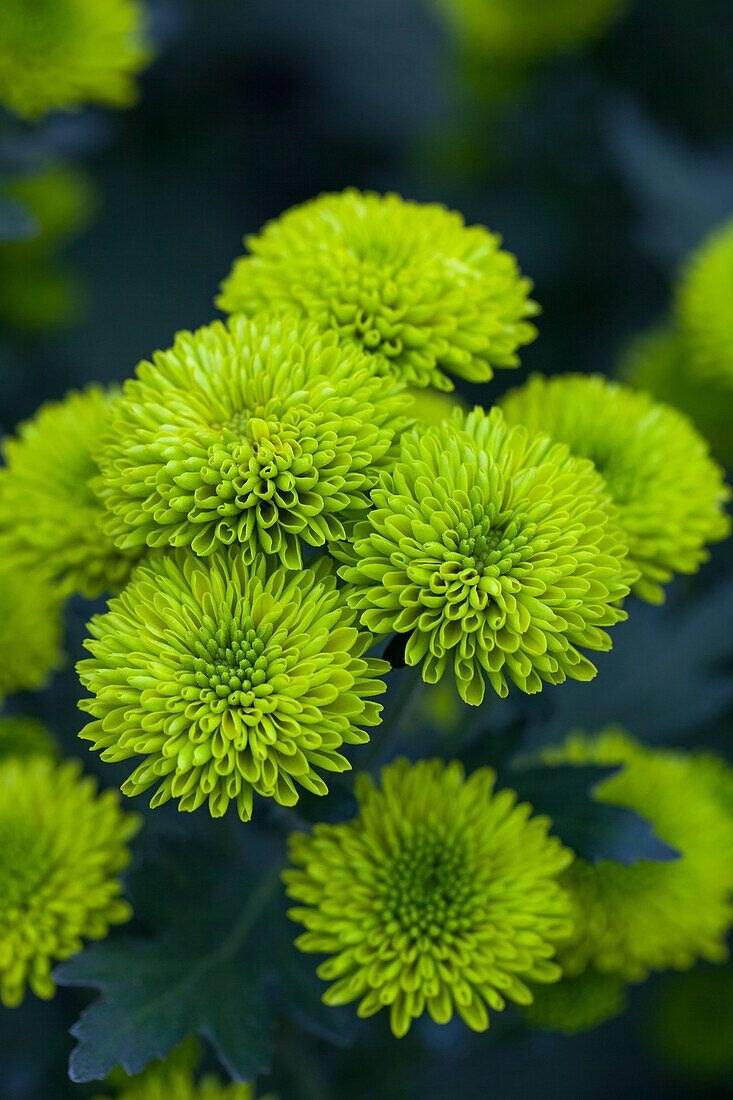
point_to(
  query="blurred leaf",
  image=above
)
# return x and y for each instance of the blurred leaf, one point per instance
(594, 830)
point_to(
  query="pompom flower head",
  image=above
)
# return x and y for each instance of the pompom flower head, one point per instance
(21, 736)
(258, 435)
(652, 916)
(61, 848)
(50, 517)
(63, 54)
(494, 552)
(703, 308)
(30, 631)
(668, 491)
(228, 680)
(441, 895)
(409, 283)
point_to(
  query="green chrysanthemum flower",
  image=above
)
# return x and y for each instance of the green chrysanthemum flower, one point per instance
(703, 307)
(62, 846)
(668, 491)
(21, 736)
(62, 54)
(508, 32)
(693, 1025)
(495, 552)
(257, 435)
(660, 363)
(652, 916)
(577, 1004)
(409, 283)
(30, 631)
(440, 895)
(228, 680)
(50, 517)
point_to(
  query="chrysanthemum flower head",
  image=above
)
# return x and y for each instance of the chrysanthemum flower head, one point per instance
(256, 435)
(409, 283)
(576, 1004)
(703, 307)
(50, 517)
(30, 630)
(228, 679)
(22, 736)
(652, 915)
(441, 895)
(507, 32)
(495, 552)
(660, 362)
(62, 846)
(63, 54)
(668, 491)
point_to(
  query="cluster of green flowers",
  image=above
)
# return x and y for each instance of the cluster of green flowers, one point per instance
(688, 360)
(266, 500)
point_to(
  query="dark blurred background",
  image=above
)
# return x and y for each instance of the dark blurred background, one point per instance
(602, 168)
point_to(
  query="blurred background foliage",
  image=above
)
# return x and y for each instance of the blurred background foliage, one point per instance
(603, 163)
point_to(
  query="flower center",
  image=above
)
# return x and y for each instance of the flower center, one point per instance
(489, 541)
(428, 886)
(233, 662)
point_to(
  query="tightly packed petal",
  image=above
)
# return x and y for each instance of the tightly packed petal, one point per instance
(703, 308)
(62, 846)
(228, 680)
(50, 517)
(668, 491)
(408, 283)
(440, 896)
(495, 552)
(654, 916)
(259, 435)
(63, 54)
(30, 631)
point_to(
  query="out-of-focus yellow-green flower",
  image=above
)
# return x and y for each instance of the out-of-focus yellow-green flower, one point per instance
(576, 1004)
(659, 362)
(21, 736)
(703, 307)
(630, 920)
(36, 289)
(64, 54)
(62, 846)
(30, 630)
(520, 32)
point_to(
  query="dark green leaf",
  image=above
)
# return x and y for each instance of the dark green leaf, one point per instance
(594, 830)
